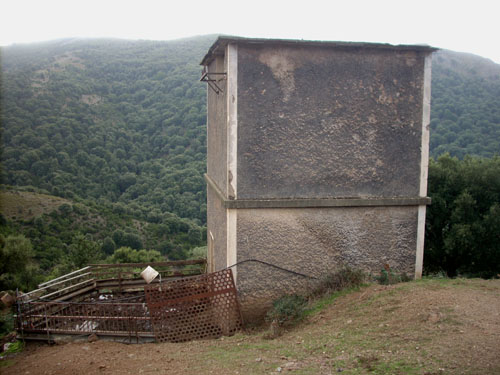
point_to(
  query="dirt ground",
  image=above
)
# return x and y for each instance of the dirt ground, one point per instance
(428, 327)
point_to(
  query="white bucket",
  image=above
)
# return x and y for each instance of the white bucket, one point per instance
(149, 274)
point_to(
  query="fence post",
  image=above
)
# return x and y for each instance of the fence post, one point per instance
(47, 323)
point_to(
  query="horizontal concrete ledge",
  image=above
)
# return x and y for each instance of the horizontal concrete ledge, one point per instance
(324, 202)
(316, 202)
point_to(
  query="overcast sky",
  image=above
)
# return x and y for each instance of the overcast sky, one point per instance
(465, 26)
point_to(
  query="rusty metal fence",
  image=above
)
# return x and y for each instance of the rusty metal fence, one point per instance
(127, 272)
(69, 318)
(179, 309)
(200, 307)
(111, 277)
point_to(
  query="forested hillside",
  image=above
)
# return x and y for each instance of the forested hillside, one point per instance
(109, 120)
(465, 108)
(117, 129)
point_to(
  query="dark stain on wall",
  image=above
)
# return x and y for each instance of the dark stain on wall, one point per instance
(316, 122)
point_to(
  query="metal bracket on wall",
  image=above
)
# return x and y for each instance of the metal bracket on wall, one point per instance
(212, 79)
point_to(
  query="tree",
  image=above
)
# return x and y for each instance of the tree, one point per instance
(108, 246)
(132, 240)
(17, 269)
(84, 251)
(194, 235)
(128, 255)
(463, 221)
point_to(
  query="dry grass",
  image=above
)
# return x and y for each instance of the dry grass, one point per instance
(428, 327)
(27, 205)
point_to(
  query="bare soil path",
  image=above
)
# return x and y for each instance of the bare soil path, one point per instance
(427, 327)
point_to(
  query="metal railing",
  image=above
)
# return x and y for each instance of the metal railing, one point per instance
(118, 276)
(100, 298)
(114, 319)
(62, 286)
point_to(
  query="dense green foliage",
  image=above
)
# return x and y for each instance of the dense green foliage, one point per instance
(124, 121)
(463, 221)
(118, 128)
(73, 235)
(465, 113)
(118, 121)
(17, 268)
(129, 255)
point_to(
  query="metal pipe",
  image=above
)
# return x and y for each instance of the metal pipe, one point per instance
(63, 276)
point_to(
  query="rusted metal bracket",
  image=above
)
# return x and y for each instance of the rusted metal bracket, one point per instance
(212, 79)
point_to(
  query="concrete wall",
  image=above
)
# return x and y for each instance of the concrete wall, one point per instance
(321, 122)
(317, 241)
(301, 125)
(217, 228)
(216, 128)
(217, 166)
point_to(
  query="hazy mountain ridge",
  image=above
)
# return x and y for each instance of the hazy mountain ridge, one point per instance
(465, 109)
(466, 63)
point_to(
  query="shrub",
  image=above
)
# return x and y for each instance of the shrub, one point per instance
(287, 310)
(344, 278)
(17, 269)
(6, 323)
(290, 309)
(198, 253)
(15, 347)
(388, 277)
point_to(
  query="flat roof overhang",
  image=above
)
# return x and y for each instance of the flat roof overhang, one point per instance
(222, 41)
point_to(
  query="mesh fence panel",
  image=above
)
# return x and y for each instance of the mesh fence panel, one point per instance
(200, 307)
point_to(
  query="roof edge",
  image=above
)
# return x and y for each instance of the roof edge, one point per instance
(224, 40)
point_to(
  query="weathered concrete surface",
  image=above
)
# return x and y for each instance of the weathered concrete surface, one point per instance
(256, 298)
(319, 156)
(217, 227)
(315, 242)
(217, 167)
(216, 128)
(319, 122)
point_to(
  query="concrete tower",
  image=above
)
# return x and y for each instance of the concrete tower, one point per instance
(317, 159)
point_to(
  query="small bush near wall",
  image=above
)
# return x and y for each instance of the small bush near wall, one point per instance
(287, 310)
(344, 278)
(388, 277)
(291, 309)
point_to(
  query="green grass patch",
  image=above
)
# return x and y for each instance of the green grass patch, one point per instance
(27, 205)
(15, 347)
(320, 304)
(6, 363)
(389, 277)
(291, 309)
